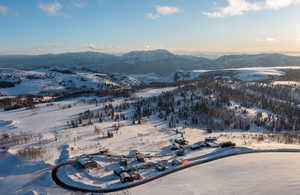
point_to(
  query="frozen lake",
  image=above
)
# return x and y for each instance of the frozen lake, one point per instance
(268, 173)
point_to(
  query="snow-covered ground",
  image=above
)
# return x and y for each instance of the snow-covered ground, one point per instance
(49, 80)
(45, 128)
(271, 173)
(152, 92)
(289, 83)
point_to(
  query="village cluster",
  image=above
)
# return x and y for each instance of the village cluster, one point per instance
(137, 165)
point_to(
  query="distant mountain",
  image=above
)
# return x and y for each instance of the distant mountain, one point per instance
(141, 62)
(237, 61)
(65, 59)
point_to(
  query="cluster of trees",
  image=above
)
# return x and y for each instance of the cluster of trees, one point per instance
(20, 101)
(214, 104)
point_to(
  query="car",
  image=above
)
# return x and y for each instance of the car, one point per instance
(180, 152)
(3, 149)
(181, 141)
(159, 167)
(123, 162)
(125, 177)
(135, 175)
(227, 144)
(176, 162)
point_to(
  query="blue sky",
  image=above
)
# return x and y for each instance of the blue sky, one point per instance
(51, 26)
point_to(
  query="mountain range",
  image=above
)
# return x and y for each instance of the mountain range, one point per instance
(140, 62)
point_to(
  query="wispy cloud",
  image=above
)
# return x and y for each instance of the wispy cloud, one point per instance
(51, 9)
(91, 46)
(162, 11)
(79, 3)
(3, 10)
(239, 7)
(270, 39)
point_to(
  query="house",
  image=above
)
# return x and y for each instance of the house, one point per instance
(87, 162)
(210, 139)
(118, 171)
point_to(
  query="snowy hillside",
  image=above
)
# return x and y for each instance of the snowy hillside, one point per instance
(257, 108)
(49, 81)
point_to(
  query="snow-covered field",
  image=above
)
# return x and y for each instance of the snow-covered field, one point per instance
(51, 80)
(271, 173)
(40, 138)
(152, 92)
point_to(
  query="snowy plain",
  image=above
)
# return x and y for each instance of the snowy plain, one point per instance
(48, 123)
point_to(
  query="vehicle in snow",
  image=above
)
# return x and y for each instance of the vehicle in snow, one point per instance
(227, 144)
(180, 152)
(140, 157)
(212, 144)
(3, 149)
(176, 162)
(123, 162)
(135, 176)
(126, 177)
(159, 167)
(181, 141)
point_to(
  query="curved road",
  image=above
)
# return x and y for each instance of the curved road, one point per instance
(216, 155)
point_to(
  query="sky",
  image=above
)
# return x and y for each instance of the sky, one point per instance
(118, 26)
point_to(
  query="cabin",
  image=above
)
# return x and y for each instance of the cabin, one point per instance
(87, 162)
(210, 139)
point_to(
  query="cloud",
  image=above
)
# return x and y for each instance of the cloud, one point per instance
(3, 10)
(79, 3)
(162, 11)
(50, 8)
(270, 39)
(238, 7)
(92, 46)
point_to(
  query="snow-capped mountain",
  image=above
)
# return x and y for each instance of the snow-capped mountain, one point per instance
(239, 61)
(143, 62)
